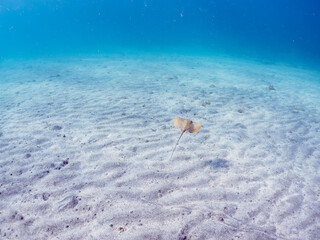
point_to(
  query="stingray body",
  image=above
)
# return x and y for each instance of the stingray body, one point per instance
(185, 125)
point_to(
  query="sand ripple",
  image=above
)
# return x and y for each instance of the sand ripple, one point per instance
(85, 147)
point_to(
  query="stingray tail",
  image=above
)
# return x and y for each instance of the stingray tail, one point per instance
(176, 144)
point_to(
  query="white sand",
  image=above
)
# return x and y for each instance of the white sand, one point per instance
(84, 149)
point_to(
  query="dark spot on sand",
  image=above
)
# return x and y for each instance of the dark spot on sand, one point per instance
(240, 110)
(28, 155)
(205, 103)
(1, 134)
(184, 233)
(218, 163)
(17, 216)
(69, 202)
(56, 128)
(41, 174)
(271, 87)
(45, 196)
(63, 164)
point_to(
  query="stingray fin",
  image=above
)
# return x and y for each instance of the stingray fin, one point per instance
(195, 128)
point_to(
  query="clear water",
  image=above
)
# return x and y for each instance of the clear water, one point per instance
(286, 30)
(89, 90)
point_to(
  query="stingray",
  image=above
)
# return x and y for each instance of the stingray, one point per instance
(185, 125)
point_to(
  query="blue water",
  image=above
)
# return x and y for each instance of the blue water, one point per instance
(287, 29)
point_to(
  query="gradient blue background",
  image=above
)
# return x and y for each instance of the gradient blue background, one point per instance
(285, 29)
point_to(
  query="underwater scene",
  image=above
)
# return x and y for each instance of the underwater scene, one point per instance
(160, 119)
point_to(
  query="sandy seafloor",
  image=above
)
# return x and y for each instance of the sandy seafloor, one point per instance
(85, 146)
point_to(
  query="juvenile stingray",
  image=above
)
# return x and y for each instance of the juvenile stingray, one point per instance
(185, 125)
